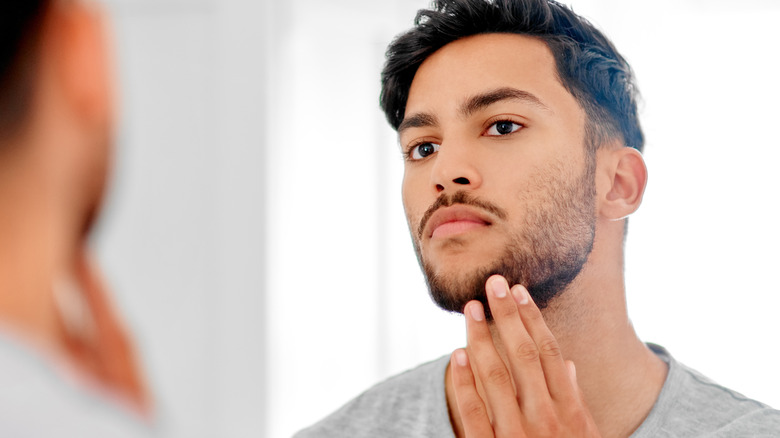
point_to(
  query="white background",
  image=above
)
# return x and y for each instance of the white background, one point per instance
(255, 237)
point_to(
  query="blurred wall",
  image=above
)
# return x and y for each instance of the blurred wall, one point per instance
(255, 235)
(183, 242)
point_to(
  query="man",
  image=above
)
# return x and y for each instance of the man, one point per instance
(519, 126)
(67, 368)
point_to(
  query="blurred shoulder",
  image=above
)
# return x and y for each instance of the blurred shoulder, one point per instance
(41, 399)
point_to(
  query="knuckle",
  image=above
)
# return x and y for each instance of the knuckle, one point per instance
(533, 314)
(549, 347)
(502, 311)
(473, 409)
(535, 319)
(527, 351)
(498, 376)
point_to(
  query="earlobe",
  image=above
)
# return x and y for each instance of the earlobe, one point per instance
(627, 178)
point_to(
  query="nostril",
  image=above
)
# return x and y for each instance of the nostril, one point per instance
(439, 188)
(461, 180)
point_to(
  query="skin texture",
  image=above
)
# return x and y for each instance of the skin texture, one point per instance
(524, 155)
(547, 192)
(52, 180)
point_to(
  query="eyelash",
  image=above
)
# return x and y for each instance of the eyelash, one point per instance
(500, 119)
(408, 153)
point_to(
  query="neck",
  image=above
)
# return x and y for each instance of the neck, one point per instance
(619, 376)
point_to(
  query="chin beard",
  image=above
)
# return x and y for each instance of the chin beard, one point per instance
(544, 279)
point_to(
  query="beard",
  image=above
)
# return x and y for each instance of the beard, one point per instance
(545, 256)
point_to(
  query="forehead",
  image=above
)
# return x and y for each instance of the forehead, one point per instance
(475, 64)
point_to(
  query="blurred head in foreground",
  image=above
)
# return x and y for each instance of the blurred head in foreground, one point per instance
(56, 126)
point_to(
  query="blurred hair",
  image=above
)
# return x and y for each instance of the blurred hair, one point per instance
(588, 65)
(20, 25)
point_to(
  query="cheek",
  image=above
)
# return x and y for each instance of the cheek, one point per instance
(529, 193)
(412, 191)
(416, 199)
(411, 205)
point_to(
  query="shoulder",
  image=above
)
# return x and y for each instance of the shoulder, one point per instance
(763, 422)
(690, 404)
(34, 387)
(412, 403)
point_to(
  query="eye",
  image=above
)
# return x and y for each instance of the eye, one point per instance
(423, 150)
(502, 127)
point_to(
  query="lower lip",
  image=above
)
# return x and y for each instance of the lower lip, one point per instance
(450, 229)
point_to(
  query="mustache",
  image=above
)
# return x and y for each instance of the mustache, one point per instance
(460, 197)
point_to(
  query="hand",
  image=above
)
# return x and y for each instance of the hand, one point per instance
(102, 347)
(536, 394)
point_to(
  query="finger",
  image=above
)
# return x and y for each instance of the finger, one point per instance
(574, 382)
(556, 373)
(521, 349)
(572, 372)
(113, 349)
(473, 413)
(491, 371)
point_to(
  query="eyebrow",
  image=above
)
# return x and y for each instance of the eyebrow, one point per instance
(484, 100)
(474, 104)
(419, 120)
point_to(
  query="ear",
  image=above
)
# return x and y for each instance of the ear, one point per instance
(622, 181)
(76, 45)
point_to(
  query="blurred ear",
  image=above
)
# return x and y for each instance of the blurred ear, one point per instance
(76, 104)
(622, 181)
(76, 43)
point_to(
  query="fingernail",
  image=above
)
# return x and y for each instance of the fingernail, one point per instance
(520, 294)
(461, 358)
(499, 287)
(476, 311)
(572, 372)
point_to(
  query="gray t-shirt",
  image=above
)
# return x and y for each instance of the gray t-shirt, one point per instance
(40, 400)
(413, 404)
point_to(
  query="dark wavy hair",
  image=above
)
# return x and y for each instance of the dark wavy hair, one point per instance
(20, 24)
(588, 65)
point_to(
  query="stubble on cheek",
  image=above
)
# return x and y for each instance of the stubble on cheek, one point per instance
(411, 222)
(544, 247)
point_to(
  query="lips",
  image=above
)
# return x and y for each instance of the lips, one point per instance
(457, 219)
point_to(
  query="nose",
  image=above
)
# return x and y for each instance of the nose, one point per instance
(455, 169)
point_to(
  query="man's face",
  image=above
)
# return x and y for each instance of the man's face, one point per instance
(497, 178)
